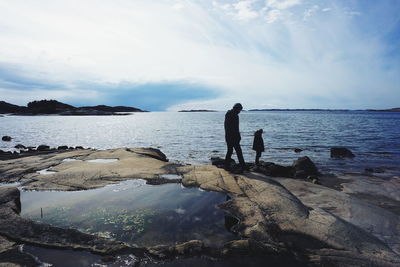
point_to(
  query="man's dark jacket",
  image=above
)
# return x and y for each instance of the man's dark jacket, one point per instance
(232, 134)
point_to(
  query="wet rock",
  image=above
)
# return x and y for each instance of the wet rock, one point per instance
(298, 150)
(156, 153)
(275, 170)
(159, 181)
(62, 148)
(152, 152)
(43, 148)
(341, 152)
(304, 167)
(219, 162)
(4, 155)
(251, 246)
(19, 146)
(374, 170)
(79, 147)
(6, 138)
(192, 247)
(230, 223)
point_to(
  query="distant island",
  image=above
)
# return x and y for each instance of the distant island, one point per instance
(54, 107)
(197, 110)
(385, 110)
(296, 109)
(372, 110)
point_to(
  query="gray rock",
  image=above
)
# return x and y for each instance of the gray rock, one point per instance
(43, 148)
(304, 167)
(341, 152)
(6, 138)
(19, 146)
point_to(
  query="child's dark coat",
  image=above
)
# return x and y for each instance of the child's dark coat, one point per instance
(258, 143)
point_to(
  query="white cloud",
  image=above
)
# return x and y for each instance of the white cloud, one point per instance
(178, 6)
(282, 4)
(245, 10)
(255, 61)
(308, 13)
(23, 97)
(273, 15)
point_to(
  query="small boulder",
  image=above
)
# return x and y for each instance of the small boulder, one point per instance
(43, 148)
(6, 138)
(79, 147)
(304, 167)
(275, 170)
(220, 162)
(62, 148)
(298, 150)
(341, 152)
(19, 146)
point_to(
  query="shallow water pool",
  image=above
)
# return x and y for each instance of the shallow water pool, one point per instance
(134, 212)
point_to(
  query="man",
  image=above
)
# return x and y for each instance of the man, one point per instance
(232, 135)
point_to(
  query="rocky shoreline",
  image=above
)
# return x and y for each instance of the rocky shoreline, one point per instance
(295, 219)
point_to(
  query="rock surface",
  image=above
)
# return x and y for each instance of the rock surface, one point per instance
(341, 152)
(271, 214)
(278, 216)
(381, 223)
(82, 173)
(6, 138)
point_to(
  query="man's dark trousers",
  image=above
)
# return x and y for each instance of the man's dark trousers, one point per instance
(238, 149)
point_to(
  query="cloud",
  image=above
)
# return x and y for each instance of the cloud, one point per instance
(244, 10)
(310, 12)
(283, 4)
(273, 15)
(261, 53)
(17, 89)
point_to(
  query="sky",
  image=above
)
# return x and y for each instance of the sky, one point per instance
(179, 54)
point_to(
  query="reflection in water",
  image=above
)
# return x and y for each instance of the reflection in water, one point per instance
(55, 257)
(134, 212)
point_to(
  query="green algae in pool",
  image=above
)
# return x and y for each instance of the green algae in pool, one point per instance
(134, 212)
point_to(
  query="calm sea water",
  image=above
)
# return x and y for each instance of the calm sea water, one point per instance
(196, 137)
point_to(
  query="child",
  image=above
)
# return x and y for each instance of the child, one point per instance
(258, 144)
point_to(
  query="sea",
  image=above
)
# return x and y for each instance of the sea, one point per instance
(196, 137)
